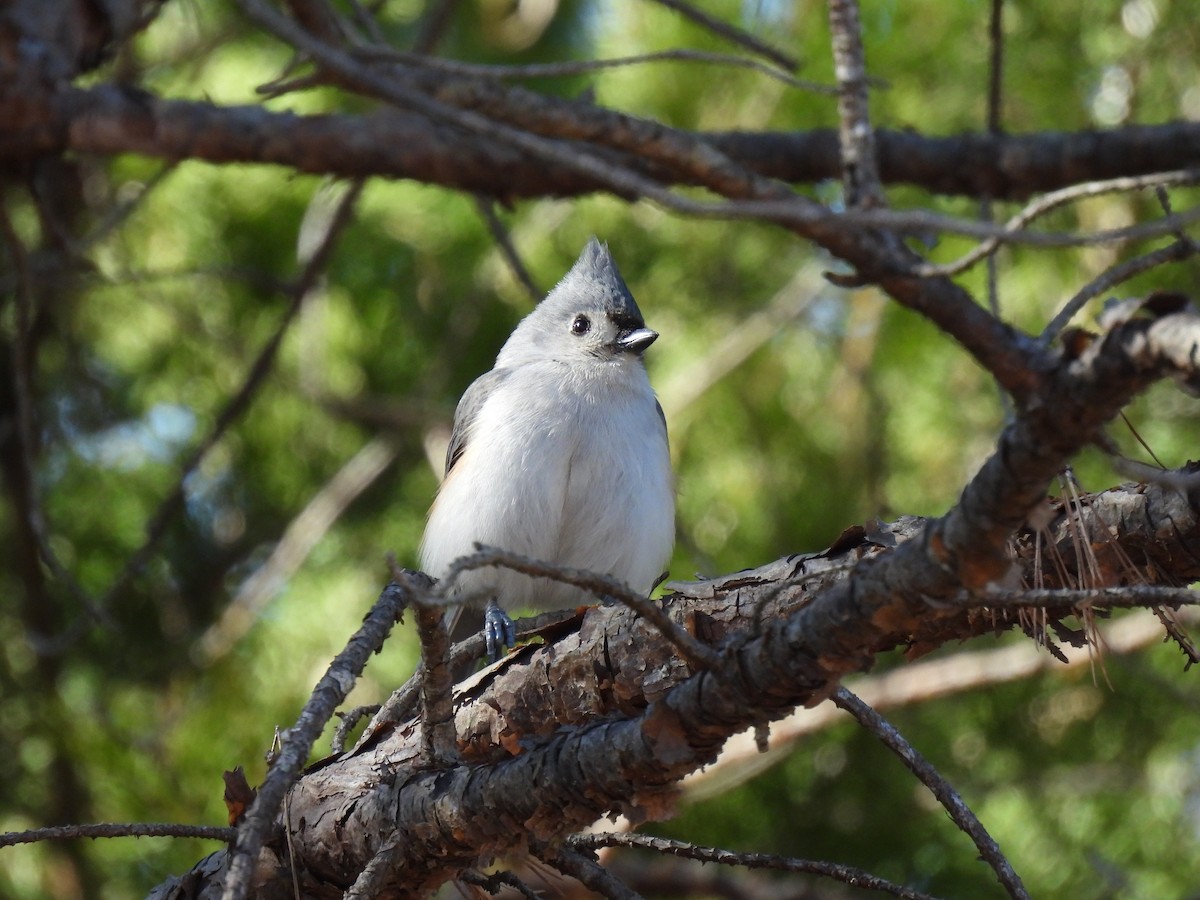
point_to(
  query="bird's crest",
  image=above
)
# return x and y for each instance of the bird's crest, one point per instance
(596, 272)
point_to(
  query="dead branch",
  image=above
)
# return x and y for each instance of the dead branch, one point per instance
(329, 693)
(860, 168)
(117, 830)
(109, 120)
(845, 874)
(950, 799)
(538, 764)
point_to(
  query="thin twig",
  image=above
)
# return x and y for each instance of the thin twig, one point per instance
(845, 874)
(919, 220)
(1176, 251)
(995, 67)
(497, 881)
(402, 705)
(774, 202)
(369, 881)
(1049, 202)
(992, 278)
(434, 25)
(349, 719)
(329, 693)
(793, 300)
(986, 212)
(118, 830)
(438, 735)
(487, 209)
(1130, 596)
(25, 444)
(697, 654)
(621, 179)
(583, 66)
(732, 34)
(1137, 436)
(925, 681)
(321, 19)
(365, 20)
(962, 815)
(1164, 200)
(860, 168)
(584, 868)
(1177, 633)
(1136, 470)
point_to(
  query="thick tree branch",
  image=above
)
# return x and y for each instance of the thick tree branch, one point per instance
(820, 624)
(109, 119)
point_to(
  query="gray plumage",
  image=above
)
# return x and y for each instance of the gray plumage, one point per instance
(560, 451)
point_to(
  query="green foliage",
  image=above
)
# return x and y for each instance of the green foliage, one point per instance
(1049, 765)
(846, 408)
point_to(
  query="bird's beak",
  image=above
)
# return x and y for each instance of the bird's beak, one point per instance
(636, 340)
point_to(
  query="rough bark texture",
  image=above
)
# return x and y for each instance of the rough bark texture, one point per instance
(605, 720)
(540, 761)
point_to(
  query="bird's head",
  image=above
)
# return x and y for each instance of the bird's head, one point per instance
(589, 316)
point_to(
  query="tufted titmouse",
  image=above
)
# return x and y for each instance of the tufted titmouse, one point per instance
(559, 453)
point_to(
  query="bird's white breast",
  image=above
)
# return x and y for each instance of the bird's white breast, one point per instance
(566, 468)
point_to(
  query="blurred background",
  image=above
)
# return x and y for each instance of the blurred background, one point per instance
(795, 409)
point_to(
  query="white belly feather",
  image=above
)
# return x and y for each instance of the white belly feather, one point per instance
(564, 477)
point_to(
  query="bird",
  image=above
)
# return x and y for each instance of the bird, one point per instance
(559, 453)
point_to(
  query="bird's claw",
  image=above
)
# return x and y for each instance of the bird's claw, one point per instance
(498, 631)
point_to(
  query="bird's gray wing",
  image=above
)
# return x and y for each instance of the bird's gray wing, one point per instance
(662, 417)
(468, 409)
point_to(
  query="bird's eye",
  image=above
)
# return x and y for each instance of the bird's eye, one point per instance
(581, 325)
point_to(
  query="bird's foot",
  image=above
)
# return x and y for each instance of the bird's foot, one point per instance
(498, 630)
